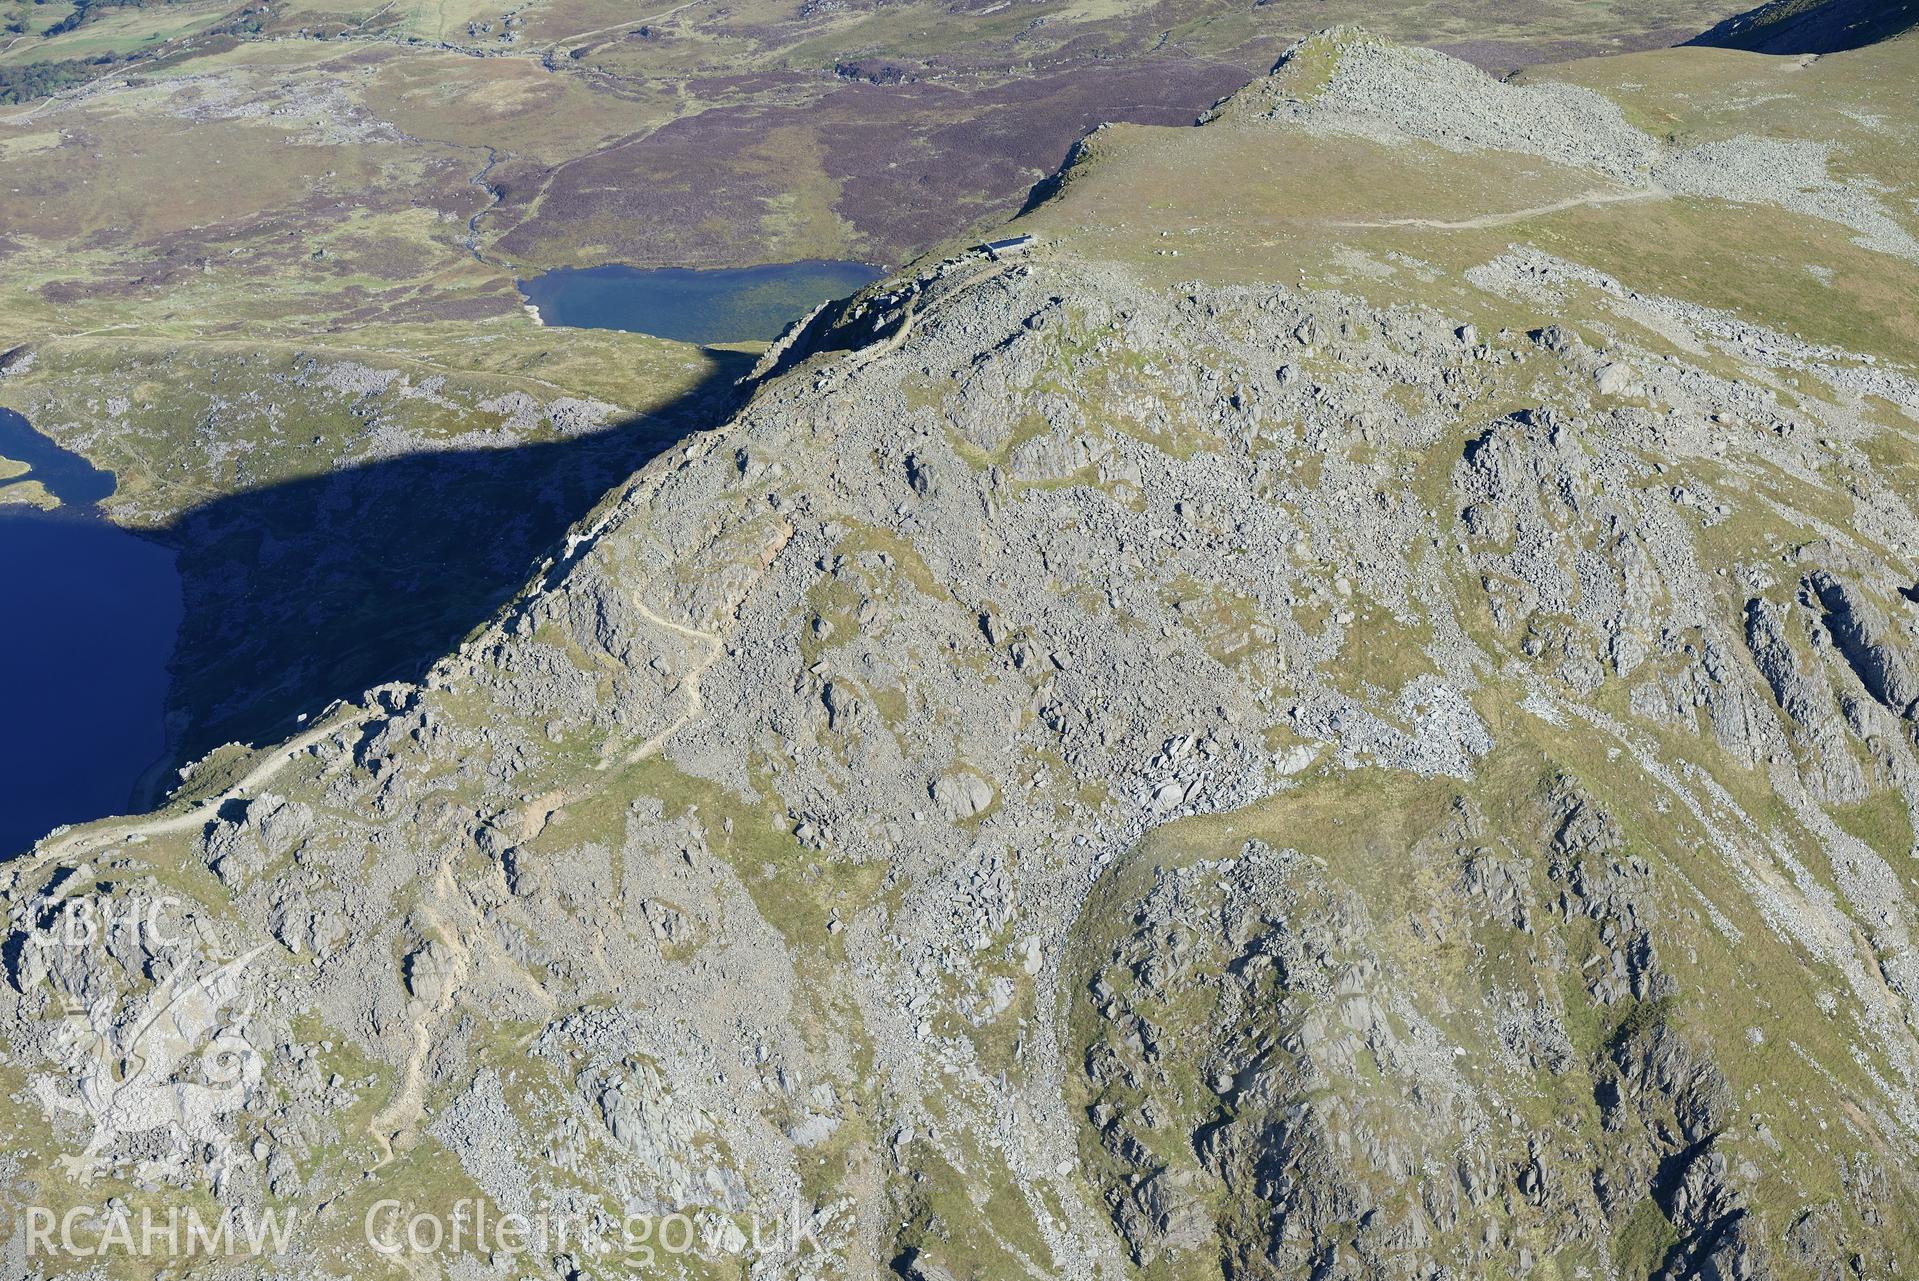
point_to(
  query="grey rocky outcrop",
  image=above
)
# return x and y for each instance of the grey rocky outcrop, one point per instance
(1090, 774)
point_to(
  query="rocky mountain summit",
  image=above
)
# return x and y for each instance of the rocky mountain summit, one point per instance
(1350, 713)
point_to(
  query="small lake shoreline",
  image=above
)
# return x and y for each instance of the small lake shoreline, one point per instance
(98, 610)
(710, 306)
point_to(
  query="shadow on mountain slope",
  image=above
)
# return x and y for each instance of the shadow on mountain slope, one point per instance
(1813, 26)
(315, 589)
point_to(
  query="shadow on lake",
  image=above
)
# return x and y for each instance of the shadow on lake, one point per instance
(286, 598)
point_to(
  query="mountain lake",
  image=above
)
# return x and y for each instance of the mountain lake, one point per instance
(722, 305)
(89, 624)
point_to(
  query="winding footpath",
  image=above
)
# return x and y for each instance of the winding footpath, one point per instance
(1486, 221)
(98, 836)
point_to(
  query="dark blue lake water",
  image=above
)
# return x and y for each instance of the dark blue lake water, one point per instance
(743, 304)
(88, 625)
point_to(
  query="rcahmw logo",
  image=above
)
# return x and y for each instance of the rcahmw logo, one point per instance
(144, 921)
(130, 1073)
(92, 1232)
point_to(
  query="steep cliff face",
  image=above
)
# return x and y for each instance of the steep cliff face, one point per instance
(1268, 736)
